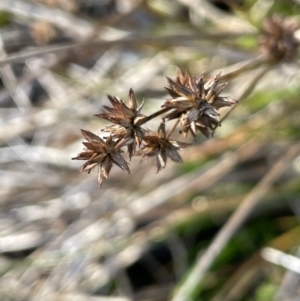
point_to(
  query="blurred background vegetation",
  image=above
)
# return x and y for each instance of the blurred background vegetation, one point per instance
(224, 225)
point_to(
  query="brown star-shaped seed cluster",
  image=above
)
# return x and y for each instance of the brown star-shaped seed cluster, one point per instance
(195, 101)
(127, 120)
(101, 154)
(158, 145)
(278, 41)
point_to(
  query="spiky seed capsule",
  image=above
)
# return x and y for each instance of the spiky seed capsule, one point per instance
(127, 119)
(195, 102)
(101, 154)
(278, 41)
(159, 146)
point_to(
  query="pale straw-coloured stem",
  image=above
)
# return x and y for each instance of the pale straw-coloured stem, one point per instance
(234, 223)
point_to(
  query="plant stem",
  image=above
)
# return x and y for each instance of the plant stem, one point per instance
(257, 62)
(172, 128)
(247, 91)
(154, 115)
(234, 224)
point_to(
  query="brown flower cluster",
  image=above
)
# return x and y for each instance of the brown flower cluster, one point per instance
(278, 41)
(160, 146)
(194, 102)
(101, 154)
(127, 121)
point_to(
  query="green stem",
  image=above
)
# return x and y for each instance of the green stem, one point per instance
(248, 90)
(247, 67)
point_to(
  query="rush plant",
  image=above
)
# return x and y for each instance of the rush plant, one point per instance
(194, 103)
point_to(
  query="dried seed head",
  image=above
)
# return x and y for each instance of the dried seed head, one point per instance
(127, 121)
(196, 101)
(278, 42)
(102, 154)
(159, 146)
